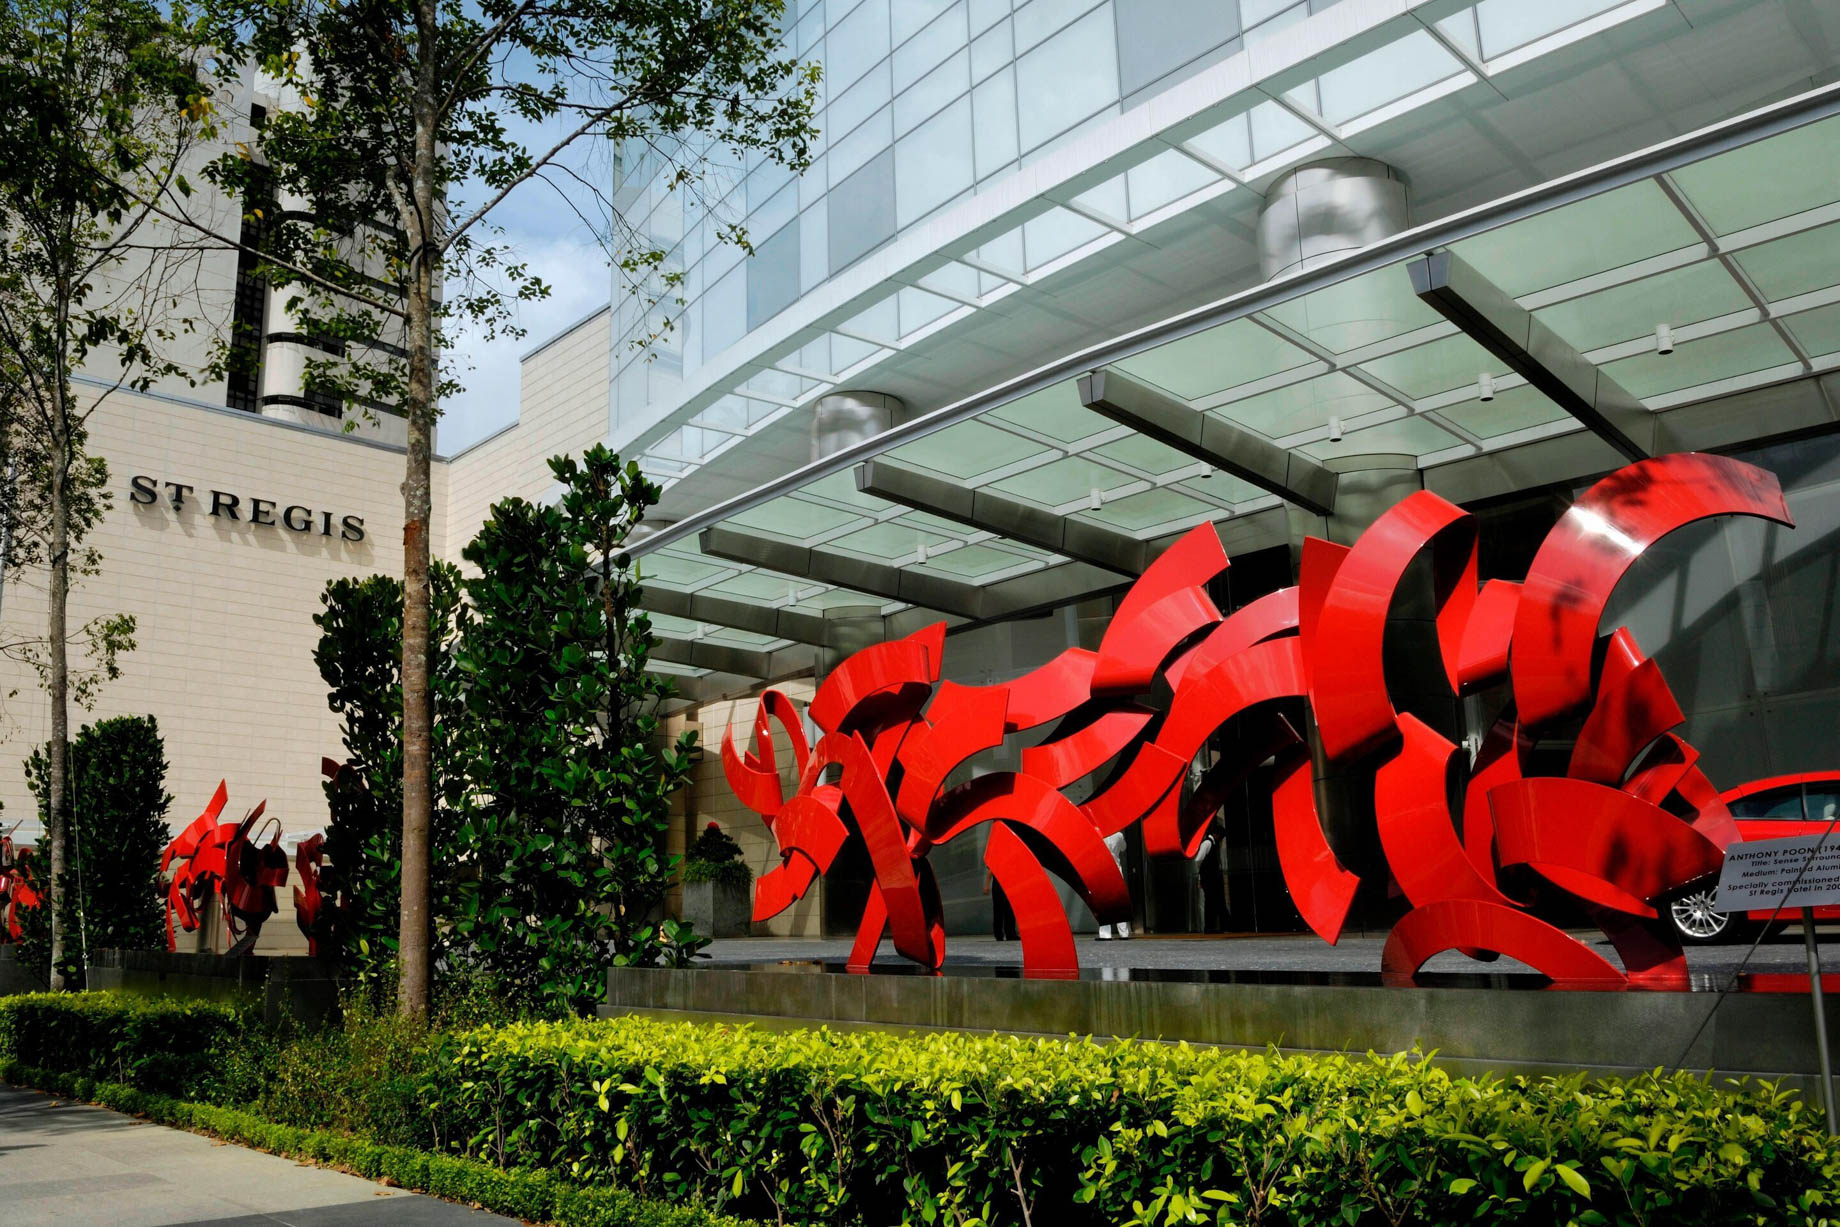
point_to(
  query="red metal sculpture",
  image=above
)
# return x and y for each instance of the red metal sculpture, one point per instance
(1473, 846)
(18, 888)
(220, 859)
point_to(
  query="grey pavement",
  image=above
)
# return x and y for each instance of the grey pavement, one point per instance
(71, 1165)
(1356, 952)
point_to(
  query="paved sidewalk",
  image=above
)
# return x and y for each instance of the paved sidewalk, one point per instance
(71, 1165)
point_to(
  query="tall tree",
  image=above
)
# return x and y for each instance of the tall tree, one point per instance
(567, 785)
(117, 832)
(426, 115)
(100, 105)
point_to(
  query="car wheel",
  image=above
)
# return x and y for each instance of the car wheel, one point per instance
(1699, 923)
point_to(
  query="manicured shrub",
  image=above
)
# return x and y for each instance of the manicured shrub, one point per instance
(537, 1196)
(812, 1126)
(542, 1119)
(118, 803)
(186, 1048)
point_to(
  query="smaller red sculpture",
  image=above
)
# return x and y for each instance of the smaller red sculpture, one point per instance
(18, 891)
(220, 859)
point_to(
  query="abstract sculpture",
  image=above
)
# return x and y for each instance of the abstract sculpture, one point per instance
(220, 858)
(18, 892)
(1468, 844)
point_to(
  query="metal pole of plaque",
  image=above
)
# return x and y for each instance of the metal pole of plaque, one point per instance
(1820, 1020)
(1775, 875)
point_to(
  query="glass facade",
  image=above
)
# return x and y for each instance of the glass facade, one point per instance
(926, 104)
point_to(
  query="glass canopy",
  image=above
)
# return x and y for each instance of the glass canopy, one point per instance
(1736, 256)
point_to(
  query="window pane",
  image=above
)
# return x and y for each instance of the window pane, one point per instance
(932, 92)
(1151, 47)
(1780, 803)
(1067, 78)
(862, 210)
(856, 43)
(930, 166)
(773, 276)
(994, 141)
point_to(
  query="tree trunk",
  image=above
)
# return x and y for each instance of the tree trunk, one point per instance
(415, 936)
(57, 790)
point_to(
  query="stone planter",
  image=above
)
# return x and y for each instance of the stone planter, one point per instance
(717, 909)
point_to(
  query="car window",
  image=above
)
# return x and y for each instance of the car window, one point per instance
(1823, 802)
(1782, 804)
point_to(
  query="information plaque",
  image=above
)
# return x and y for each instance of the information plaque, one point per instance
(1764, 874)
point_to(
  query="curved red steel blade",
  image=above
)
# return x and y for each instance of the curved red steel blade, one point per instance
(1078, 754)
(1148, 623)
(1630, 713)
(754, 777)
(1482, 653)
(1137, 790)
(1348, 693)
(1588, 552)
(876, 670)
(1712, 817)
(1268, 617)
(1209, 697)
(1457, 924)
(1133, 652)
(866, 792)
(1651, 953)
(1500, 758)
(1597, 842)
(1025, 801)
(1050, 692)
(1661, 770)
(1047, 939)
(961, 722)
(1412, 795)
(810, 834)
(1320, 887)
(869, 932)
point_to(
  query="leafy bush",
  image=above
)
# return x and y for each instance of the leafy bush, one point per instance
(118, 828)
(359, 656)
(157, 1044)
(566, 786)
(725, 873)
(818, 1127)
(536, 1195)
(714, 856)
(713, 845)
(813, 1126)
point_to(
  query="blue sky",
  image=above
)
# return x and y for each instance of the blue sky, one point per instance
(544, 232)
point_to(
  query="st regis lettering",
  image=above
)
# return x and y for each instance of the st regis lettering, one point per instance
(293, 517)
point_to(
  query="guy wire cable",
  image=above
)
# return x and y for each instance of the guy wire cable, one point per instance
(1762, 930)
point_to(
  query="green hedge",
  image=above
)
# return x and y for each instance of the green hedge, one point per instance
(819, 1127)
(189, 1048)
(813, 1126)
(536, 1196)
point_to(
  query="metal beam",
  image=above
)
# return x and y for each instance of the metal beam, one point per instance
(844, 570)
(1005, 517)
(1535, 352)
(841, 627)
(1173, 422)
(712, 654)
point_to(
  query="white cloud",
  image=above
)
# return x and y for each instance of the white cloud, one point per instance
(576, 272)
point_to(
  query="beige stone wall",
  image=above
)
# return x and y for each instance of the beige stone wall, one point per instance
(224, 634)
(562, 409)
(224, 607)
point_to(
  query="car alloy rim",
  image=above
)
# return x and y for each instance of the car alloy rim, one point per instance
(1696, 916)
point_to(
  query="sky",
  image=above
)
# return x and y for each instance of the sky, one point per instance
(545, 230)
(573, 265)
